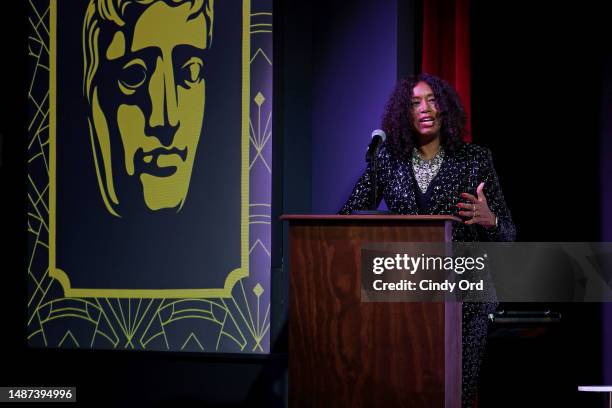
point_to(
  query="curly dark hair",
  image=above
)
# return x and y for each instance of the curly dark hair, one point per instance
(397, 123)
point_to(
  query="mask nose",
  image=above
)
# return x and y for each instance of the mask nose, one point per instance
(163, 120)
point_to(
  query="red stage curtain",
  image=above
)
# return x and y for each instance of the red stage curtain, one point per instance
(446, 46)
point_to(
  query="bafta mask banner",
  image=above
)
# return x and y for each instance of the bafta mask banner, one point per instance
(150, 174)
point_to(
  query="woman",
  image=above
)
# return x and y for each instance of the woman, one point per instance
(425, 167)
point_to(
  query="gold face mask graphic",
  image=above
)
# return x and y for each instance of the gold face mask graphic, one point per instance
(146, 87)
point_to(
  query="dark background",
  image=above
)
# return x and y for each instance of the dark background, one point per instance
(537, 74)
(537, 91)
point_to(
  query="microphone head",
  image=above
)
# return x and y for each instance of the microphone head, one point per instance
(379, 132)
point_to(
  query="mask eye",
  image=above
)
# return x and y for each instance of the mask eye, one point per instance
(132, 76)
(191, 72)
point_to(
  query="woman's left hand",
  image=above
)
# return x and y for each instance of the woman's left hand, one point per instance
(477, 209)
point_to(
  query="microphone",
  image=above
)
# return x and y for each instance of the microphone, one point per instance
(378, 137)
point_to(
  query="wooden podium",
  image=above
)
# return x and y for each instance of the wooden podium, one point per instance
(345, 353)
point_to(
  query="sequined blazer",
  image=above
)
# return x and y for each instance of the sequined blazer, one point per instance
(461, 171)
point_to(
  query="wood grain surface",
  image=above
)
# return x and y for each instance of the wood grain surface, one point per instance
(345, 353)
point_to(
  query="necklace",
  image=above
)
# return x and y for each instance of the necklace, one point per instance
(426, 170)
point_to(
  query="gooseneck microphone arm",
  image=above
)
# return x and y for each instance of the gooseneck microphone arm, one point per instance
(378, 137)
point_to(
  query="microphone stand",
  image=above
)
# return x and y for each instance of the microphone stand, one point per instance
(371, 157)
(373, 206)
